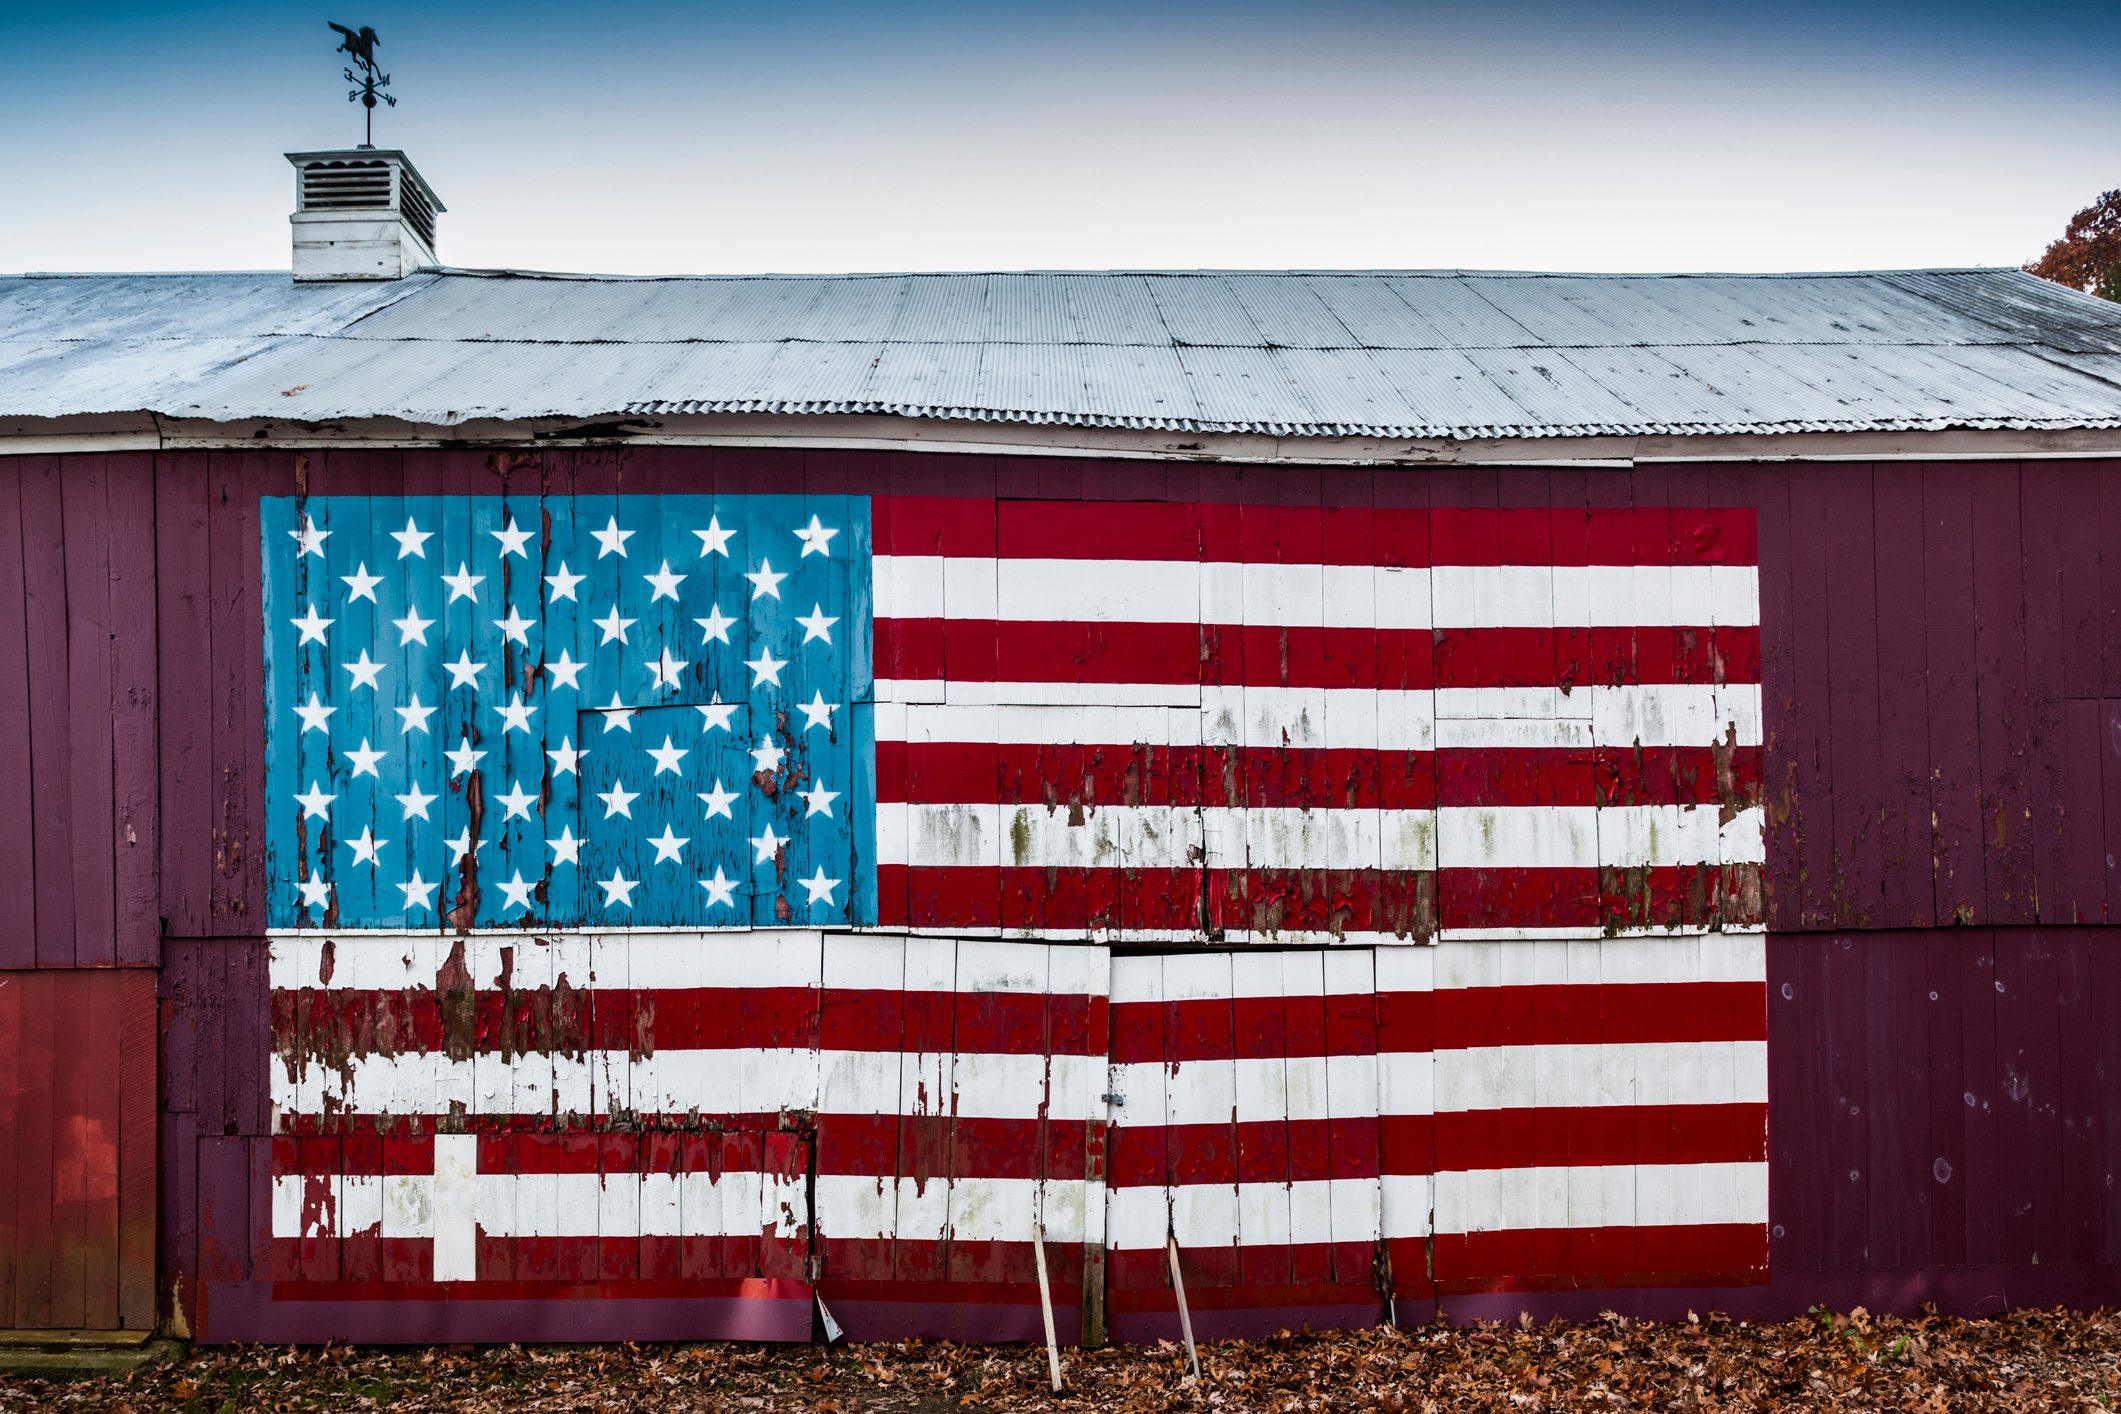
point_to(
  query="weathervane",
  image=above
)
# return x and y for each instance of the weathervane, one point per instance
(361, 45)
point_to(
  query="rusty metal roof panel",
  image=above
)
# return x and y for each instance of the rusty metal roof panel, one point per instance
(1441, 354)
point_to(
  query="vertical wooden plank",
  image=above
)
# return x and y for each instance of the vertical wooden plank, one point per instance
(134, 644)
(2004, 696)
(73, 1019)
(1954, 720)
(2081, 1202)
(98, 1133)
(2048, 571)
(236, 681)
(90, 770)
(184, 710)
(1796, 1058)
(18, 931)
(138, 1177)
(1855, 892)
(1944, 1065)
(2082, 754)
(35, 1156)
(1894, 1100)
(14, 991)
(50, 827)
(1986, 1184)
(1808, 753)
(1907, 897)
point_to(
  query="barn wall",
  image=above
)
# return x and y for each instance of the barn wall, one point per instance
(1941, 649)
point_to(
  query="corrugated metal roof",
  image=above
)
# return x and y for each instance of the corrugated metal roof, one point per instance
(1414, 354)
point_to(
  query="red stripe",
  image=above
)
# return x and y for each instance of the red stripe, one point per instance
(1354, 535)
(1270, 655)
(684, 1018)
(1052, 898)
(952, 773)
(1533, 1259)
(1408, 903)
(1292, 1274)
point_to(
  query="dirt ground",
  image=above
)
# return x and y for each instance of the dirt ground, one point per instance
(2030, 1360)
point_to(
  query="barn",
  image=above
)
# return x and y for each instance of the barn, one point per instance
(574, 807)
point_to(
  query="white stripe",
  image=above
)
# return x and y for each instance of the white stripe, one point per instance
(1219, 837)
(740, 1081)
(1574, 1076)
(1334, 596)
(1365, 719)
(1158, 1093)
(1601, 961)
(855, 1206)
(1617, 1195)
(456, 1205)
(1212, 1215)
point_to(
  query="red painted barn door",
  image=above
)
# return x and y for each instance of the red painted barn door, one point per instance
(77, 1122)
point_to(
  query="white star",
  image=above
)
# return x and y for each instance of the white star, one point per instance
(766, 755)
(817, 712)
(463, 672)
(463, 584)
(567, 759)
(614, 627)
(612, 539)
(817, 800)
(565, 671)
(416, 801)
(516, 801)
(765, 584)
(512, 539)
(618, 717)
(364, 760)
(464, 759)
(364, 670)
(364, 848)
(818, 624)
(717, 800)
(816, 539)
(309, 538)
(765, 846)
(412, 628)
(316, 893)
(714, 540)
(563, 584)
(312, 627)
(515, 717)
(668, 847)
(418, 891)
(717, 713)
(515, 628)
(618, 889)
(720, 889)
(667, 757)
(819, 887)
(715, 627)
(461, 846)
(518, 892)
(566, 849)
(361, 584)
(618, 800)
(414, 715)
(315, 715)
(766, 668)
(664, 669)
(664, 583)
(412, 540)
(315, 803)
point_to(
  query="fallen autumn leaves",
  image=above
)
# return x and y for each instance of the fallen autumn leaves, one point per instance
(2028, 1360)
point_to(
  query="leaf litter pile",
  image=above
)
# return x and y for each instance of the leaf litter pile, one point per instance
(2026, 1360)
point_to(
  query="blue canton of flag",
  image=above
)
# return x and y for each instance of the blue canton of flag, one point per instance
(587, 711)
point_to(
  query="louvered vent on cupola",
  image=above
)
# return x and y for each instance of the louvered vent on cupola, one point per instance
(361, 214)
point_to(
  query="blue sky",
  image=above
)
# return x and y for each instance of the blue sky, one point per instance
(1512, 134)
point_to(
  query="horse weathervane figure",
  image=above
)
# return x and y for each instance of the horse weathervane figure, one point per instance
(361, 44)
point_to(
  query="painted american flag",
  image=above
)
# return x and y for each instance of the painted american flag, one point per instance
(528, 756)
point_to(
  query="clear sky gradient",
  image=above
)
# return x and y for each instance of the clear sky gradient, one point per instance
(1511, 134)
